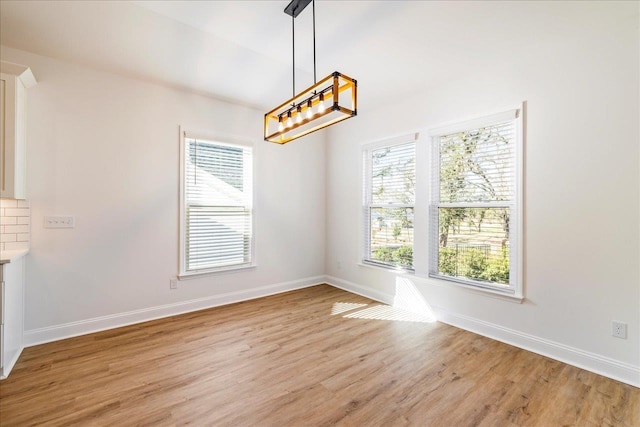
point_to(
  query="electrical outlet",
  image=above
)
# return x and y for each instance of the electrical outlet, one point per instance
(173, 284)
(59, 222)
(619, 329)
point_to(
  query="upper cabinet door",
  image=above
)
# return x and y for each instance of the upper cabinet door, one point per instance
(14, 79)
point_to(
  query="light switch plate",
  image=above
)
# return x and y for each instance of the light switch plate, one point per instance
(59, 222)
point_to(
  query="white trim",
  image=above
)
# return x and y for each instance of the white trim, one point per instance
(390, 206)
(219, 138)
(385, 267)
(230, 141)
(181, 204)
(354, 288)
(367, 205)
(22, 72)
(390, 142)
(516, 286)
(364, 237)
(446, 282)
(472, 205)
(421, 210)
(58, 332)
(596, 363)
(476, 122)
(8, 366)
(601, 365)
(224, 270)
(519, 248)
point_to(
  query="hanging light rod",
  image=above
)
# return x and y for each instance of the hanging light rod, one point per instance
(329, 101)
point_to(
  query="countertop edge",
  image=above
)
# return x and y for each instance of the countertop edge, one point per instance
(8, 256)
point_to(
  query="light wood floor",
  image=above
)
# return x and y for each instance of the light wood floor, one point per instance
(286, 360)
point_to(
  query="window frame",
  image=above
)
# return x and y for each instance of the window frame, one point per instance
(222, 140)
(516, 288)
(367, 179)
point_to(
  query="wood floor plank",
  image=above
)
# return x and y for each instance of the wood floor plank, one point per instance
(313, 357)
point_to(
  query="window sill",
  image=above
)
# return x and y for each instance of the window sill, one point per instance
(227, 270)
(487, 292)
(389, 269)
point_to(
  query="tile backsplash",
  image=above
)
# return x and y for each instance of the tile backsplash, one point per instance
(15, 220)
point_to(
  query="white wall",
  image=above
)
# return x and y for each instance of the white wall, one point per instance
(581, 186)
(105, 149)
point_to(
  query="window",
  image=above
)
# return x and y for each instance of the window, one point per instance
(475, 213)
(216, 206)
(389, 196)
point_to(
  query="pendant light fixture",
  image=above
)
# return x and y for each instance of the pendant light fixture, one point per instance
(328, 101)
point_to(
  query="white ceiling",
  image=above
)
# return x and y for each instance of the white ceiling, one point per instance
(241, 50)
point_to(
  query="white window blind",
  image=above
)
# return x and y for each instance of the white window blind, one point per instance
(389, 198)
(217, 228)
(473, 213)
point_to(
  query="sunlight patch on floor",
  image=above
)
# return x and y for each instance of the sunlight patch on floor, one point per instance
(409, 305)
(341, 307)
(386, 312)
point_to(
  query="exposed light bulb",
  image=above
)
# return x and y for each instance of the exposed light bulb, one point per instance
(321, 107)
(309, 112)
(280, 125)
(299, 114)
(289, 121)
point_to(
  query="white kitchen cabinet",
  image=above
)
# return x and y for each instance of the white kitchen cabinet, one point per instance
(14, 80)
(12, 307)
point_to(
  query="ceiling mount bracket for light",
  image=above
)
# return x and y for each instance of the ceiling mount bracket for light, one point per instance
(306, 112)
(295, 7)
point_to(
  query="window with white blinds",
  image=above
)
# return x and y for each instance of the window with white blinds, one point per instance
(389, 198)
(216, 207)
(474, 212)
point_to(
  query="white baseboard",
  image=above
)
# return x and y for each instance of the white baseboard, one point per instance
(592, 362)
(58, 332)
(8, 366)
(601, 365)
(354, 288)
